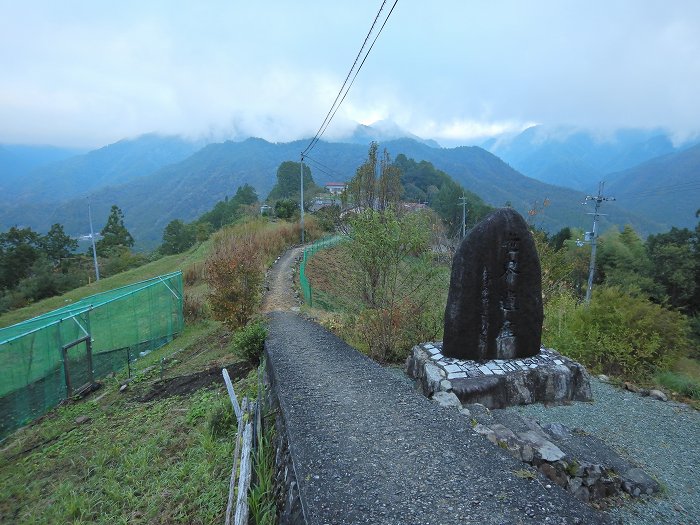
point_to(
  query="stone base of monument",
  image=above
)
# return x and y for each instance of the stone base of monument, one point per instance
(547, 377)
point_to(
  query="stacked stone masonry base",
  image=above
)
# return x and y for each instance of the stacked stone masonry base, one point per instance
(578, 462)
(545, 378)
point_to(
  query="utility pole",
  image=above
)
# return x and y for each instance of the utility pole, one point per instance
(463, 202)
(92, 239)
(301, 169)
(593, 235)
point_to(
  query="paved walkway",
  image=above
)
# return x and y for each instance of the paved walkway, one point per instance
(367, 448)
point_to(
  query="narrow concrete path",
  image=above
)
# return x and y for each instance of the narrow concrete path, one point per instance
(280, 292)
(367, 448)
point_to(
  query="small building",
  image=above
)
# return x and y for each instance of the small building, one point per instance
(266, 210)
(336, 188)
(414, 206)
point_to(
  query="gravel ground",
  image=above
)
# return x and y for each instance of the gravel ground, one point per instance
(660, 437)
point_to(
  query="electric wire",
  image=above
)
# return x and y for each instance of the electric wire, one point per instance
(664, 190)
(343, 90)
(359, 53)
(320, 166)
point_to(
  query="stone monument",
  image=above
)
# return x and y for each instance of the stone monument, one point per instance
(494, 305)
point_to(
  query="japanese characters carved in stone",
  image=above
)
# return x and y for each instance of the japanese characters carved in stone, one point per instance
(494, 305)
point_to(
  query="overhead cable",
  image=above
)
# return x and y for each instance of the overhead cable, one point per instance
(345, 88)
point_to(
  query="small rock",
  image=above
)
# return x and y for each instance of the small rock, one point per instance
(557, 430)
(637, 478)
(81, 419)
(553, 474)
(582, 494)
(630, 386)
(545, 449)
(574, 484)
(527, 454)
(447, 399)
(658, 394)
(592, 474)
(465, 412)
(445, 385)
(123, 387)
(604, 378)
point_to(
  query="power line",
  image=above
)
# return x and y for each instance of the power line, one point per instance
(665, 190)
(322, 167)
(344, 90)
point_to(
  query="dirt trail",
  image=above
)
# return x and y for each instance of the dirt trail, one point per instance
(280, 292)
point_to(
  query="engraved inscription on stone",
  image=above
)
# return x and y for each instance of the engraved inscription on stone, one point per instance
(494, 306)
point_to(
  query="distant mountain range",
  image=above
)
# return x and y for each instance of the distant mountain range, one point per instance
(383, 131)
(667, 188)
(17, 161)
(577, 158)
(156, 179)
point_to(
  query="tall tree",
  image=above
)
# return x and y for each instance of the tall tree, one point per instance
(177, 237)
(114, 234)
(57, 245)
(362, 188)
(675, 258)
(389, 188)
(288, 184)
(19, 250)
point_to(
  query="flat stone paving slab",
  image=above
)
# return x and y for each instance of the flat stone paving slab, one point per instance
(367, 448)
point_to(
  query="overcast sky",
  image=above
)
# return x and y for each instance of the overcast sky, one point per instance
(87, 73)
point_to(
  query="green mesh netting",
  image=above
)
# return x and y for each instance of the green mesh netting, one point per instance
(321, 244)
(123, 324)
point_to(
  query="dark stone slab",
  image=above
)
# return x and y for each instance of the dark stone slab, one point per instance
(494, 305)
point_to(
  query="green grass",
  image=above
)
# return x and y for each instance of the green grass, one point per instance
(163, 265)
(133, 462)
(684, 380)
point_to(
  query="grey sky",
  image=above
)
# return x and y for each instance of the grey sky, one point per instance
(86, 73)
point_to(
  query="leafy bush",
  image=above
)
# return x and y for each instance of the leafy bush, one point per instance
(617, 334)
(249, 342)
(235, 268)
(220, 418)
(193, 308)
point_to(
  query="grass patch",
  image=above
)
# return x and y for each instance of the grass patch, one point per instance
(681, 384)
(163, 265)
(131, 463)
(165, 461)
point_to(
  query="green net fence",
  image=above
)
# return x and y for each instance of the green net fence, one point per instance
(321, 244)
(121, 324)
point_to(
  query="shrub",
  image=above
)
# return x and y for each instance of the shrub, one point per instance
(220, 418)
(617, 334)
(193, 308)
(249, 342)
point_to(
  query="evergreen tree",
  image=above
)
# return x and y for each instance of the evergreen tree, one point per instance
(114, 234)
(287, 186)
(56, 245)
(19, 250)
(177, 237)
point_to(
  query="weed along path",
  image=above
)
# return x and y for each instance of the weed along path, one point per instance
(367, 448)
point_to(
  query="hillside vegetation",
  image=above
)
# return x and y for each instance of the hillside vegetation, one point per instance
(187, 188)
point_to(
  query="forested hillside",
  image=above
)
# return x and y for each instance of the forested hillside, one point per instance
(186, 189)
(666, 188)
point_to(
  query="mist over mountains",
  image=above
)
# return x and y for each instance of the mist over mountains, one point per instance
(156, 179)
